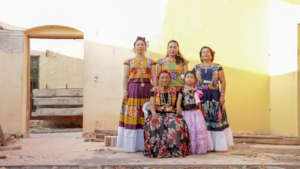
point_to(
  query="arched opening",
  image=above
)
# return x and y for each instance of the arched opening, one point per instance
(41, 32)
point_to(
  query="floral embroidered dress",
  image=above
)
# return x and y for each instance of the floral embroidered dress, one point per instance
(131, 125)
(213, 111)
(176, 70)
(199, 142)
(168, 136)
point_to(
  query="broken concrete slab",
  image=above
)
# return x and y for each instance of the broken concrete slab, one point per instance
(58, 93)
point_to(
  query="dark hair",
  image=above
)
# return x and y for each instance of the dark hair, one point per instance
(179, 58)
(190, 72)
(139, 38)
(161, 72)
(212, 52)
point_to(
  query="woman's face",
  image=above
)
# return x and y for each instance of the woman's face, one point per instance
(190, 79)
(140, 47)
(164, 79)
(172, 49)
(206, 55)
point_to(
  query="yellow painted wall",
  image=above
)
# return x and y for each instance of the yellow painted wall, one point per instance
(284, 104)
(57, 70)
(238, 32)
(298, 86)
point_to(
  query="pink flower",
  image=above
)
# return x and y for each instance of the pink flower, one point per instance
(197, 95)
(204, 87)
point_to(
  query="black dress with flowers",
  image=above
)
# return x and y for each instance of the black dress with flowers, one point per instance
(168, 136)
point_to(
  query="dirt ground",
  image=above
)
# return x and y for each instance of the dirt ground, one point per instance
(71, 149)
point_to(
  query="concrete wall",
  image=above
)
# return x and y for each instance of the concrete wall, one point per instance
(11, 78)
(57, 70)
(103, 84)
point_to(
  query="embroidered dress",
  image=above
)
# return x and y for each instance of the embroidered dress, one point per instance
(168, 136)
(176, 71)
(131, 125)
(214, 112)
(199, 142)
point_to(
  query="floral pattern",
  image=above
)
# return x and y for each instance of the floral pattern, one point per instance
(214, 112)
(176, 71)
(168, 136)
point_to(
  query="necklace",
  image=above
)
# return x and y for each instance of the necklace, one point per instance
(140, 65)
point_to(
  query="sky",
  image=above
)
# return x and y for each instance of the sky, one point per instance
(115, 22)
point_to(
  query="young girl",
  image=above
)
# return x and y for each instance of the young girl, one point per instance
(189, 101)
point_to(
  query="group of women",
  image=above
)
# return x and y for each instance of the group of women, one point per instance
(187, 112)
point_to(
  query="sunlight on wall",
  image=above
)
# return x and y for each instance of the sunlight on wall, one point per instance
(295, 2)
(283, 22)
(236, 30)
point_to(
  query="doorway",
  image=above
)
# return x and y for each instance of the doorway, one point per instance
(50, 32)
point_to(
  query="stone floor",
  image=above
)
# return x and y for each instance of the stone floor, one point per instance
(69, 150)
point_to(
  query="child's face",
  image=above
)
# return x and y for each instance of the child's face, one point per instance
(190, 79)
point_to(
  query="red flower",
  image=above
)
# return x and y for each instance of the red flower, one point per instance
(133, 70)
(146, 137)
(148, 70)
(178, 121)
(174, 134)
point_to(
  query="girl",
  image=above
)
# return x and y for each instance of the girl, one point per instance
(189, 101)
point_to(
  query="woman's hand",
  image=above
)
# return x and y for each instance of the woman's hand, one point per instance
(155, 117)
(199, 106)
(179, 113)
(222, 99)
(125, 94)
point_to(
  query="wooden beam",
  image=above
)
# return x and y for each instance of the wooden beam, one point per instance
(57, 93)
(58, 112)
(59, 101)
(57, 117)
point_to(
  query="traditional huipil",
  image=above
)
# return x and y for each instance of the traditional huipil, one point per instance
(214, 112)
(176, 70)
(131, 125)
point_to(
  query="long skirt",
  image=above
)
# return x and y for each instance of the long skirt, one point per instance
(219, 132)
(199, 141)
(131, 125)
(166, 137)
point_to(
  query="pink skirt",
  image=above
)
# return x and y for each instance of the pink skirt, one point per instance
(199, 142)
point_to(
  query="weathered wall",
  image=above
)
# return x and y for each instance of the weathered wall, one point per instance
(11, 75)
(58, 71)
(103, 84)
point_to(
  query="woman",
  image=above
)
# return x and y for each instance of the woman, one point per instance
(174, 63)
(166, 133)
(138, 73)
(210, 75)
